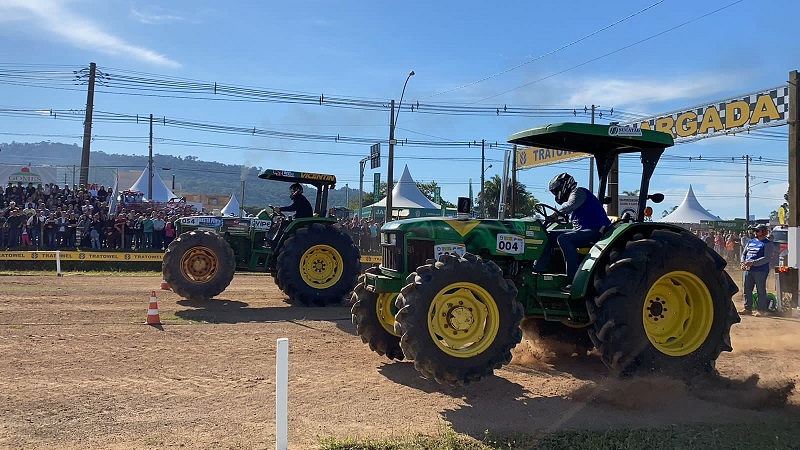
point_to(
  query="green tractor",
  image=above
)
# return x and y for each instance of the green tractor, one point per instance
(312, 260)
(450, 293)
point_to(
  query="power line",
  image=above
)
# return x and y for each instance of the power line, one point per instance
(615, 51)
(563, 47)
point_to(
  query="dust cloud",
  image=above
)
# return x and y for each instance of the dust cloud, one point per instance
(737, 388)
(537, 350)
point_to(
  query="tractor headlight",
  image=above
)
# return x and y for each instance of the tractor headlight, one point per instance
(389, 238)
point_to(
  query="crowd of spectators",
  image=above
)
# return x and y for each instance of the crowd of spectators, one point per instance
(365, 233)
(729, 244)
(51, 217)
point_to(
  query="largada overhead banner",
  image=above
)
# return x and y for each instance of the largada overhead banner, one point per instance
(760, 109)
(26, 174)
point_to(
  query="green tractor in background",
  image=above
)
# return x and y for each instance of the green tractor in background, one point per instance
(312, 260)
(450, 293)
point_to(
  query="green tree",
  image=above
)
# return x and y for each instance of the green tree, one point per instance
(429, 191)
(632, 193)
(665, 213)
(491, 195)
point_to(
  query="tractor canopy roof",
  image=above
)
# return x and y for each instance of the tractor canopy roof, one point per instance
(315, 179)
(598, 140)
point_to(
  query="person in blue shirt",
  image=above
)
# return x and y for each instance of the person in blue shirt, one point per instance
(755, 265)
(588, 217)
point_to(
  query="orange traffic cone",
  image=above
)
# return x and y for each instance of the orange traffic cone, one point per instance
(165, 285)
(153, 318)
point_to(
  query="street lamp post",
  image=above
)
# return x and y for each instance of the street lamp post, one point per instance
(392, 142)
(173, 177)
(747, 198)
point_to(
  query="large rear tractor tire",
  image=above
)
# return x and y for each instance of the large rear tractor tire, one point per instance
(458, 319)
(373, 316)
(664, 305)
(318, 265)
(198, 265)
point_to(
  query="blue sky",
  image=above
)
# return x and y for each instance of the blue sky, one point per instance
(638, 57)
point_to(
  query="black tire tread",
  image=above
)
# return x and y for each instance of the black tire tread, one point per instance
(288, 276)
(412, 323)
(179, 284)
(622, 284)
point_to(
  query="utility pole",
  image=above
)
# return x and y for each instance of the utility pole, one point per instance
(361, 189)
(746, 190)
(87, 127)
(483, 177)
(794, 173)
(392, 141)
(390, 168)
(591, 162)
(150, 164)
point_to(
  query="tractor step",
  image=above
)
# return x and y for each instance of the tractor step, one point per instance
(553, 293)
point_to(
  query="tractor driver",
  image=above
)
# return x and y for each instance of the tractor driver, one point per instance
(588, 217)
(300, 204)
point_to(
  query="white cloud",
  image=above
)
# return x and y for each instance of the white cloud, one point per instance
(52, 18)
(632, 93)
(157, 16)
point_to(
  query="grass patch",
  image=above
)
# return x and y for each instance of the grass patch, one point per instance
(774, 435)
(174, 318)
(16, 326)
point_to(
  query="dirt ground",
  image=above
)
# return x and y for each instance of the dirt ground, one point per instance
(81, 370)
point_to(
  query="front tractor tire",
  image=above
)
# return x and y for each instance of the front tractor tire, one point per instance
(458, 319)
(373, 316)
(318, 265)
(198, 265)
(663, 304)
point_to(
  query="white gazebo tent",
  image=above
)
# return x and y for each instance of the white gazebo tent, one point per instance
(161, 193)
(232, 208)
(690, 211)
(407, 200)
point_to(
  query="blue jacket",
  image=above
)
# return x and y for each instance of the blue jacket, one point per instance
(587, 212)
(759, 253)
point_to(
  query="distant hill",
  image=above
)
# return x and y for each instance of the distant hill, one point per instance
(191, 175)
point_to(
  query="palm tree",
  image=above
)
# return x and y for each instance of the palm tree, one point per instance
(491, 194)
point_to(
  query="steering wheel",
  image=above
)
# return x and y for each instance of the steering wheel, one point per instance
(276, 212)
(543, 209)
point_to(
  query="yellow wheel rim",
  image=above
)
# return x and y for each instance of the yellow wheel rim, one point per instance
(463, 320)
(678, 313)
(199, 265)
(321, 266)
(386, 310)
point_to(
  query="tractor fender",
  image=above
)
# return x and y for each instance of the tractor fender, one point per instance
(598, 254)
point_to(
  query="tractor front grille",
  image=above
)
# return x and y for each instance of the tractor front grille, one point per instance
(392, 257)
(418, 253)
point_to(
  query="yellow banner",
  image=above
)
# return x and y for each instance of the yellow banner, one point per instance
(79, 256)
(110, 256)
(532, 157)
(765, 108)
(371, 259)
